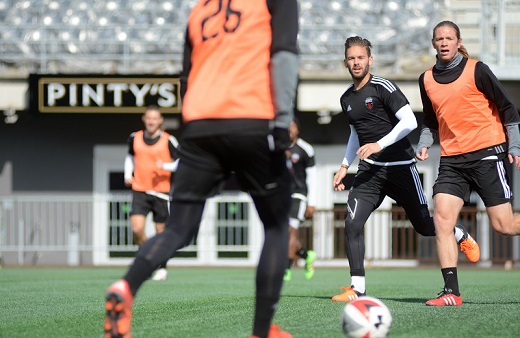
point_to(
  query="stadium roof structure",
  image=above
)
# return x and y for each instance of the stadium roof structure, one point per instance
(147, 36)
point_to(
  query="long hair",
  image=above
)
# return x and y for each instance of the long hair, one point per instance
(358, 41)
(451, 24)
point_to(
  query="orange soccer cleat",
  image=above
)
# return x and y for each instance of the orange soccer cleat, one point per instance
(276, 332)
(469, 246)
(349, 295)
(118, 305)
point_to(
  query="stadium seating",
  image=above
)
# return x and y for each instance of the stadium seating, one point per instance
(146, 36)
(141, 36)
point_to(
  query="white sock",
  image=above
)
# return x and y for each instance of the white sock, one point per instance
(459, 234)
(358, 282)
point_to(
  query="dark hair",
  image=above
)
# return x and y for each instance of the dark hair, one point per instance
(297, 122)
(358, 41)
(451, 24)
(153, 107)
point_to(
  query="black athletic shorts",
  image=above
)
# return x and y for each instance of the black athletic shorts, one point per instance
(206, 162)
(297, 211)
(400, 182)
(488, 178)
(143, 203)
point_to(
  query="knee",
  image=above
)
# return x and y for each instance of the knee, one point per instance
(444, 226)
(353, 229)
(505, 229)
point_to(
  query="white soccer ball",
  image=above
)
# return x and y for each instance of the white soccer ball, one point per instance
(366, 317)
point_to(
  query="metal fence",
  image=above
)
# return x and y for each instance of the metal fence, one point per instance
(59, 230)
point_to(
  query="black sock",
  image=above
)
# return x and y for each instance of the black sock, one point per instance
(163, 265)
(302, 253)
(289, 264)
(264, 311)
(138, 273)
(451, 282)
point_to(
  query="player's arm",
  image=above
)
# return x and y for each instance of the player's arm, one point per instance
(407, 123)
(430, 125)
(173, 147)
(186, 64)
(311, 181)
(129, 162)
(491, 87)
(284, 64)
(350, 156)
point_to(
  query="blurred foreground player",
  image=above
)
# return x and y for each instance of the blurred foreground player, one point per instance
(240, 68)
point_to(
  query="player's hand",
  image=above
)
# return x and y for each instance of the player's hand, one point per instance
(281, 138)
(515, 160)
(368, 149)
(338, 179)
(309, 212)
(423, 155)
(128, 182)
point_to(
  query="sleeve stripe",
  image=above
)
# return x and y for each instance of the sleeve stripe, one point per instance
(384, 82)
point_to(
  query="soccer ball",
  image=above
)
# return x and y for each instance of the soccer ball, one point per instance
(366, 317)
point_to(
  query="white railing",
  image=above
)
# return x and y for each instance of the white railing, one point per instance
(95, 230)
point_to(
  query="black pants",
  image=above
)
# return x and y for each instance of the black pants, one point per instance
(371, 185)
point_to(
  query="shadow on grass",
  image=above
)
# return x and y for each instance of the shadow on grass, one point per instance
(307, 296)
(464, 302)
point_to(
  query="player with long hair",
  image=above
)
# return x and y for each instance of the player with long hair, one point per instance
(468, 109)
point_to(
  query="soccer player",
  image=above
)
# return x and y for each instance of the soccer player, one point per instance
(380, 118)
(301, 156)
(149, 163)
(467, 107)
(241, 68)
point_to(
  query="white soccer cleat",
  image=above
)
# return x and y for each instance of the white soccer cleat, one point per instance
(160, 274)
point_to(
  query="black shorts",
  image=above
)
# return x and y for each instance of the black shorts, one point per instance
(297, 211)
(143, 203)
(206, 162)
(401, 183)
(488, 178)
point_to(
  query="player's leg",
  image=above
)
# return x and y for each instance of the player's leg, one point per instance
(405, 187)
(450, 191)
(294, 241)
(493, 186)
(295, 220)
(296, 213)
(140, 208)
(503, 220)
(269, 274)
(198, 177)
(160, 215)
(138, 223)
(358, 211)
(182, 226)
(447, 208)
(264, 173)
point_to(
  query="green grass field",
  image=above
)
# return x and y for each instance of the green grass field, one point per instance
(218, 302)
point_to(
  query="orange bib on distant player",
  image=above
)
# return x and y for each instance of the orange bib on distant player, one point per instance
(146, 174)
(468, 121)
(230, 75)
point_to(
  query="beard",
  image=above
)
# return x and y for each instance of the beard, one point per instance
(361, 75)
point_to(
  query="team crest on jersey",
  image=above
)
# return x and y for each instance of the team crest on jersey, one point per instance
(295, 158)
(369, 102)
